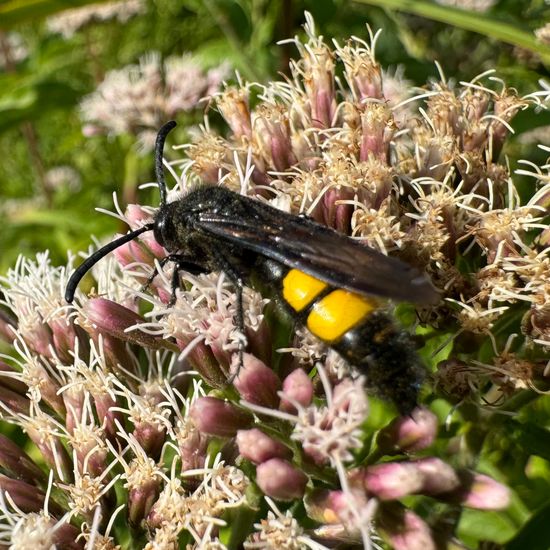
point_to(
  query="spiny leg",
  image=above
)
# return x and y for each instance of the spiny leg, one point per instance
(155, 272)
(183, 263)
(236, 280)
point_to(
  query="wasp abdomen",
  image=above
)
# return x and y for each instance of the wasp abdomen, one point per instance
(354, 326)
(387, 355)
(327, 312)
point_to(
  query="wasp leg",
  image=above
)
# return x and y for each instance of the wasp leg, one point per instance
(237, 281)
(151, 277)
(183, 263)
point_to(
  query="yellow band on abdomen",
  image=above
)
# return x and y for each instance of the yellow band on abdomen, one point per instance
(337, 313)
(300, 289)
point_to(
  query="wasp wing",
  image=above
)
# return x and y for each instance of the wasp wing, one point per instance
(319, 251)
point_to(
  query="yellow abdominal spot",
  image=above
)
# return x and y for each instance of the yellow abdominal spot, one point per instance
(300, 289)
(336, 313)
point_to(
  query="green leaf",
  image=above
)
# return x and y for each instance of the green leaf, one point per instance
(470, 21)
(27, 100)
(532, 439)
(534, 534)
(479, 525)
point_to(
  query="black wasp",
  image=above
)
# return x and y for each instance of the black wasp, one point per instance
(326, 280)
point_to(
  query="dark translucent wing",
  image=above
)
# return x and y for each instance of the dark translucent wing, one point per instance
(330, 256)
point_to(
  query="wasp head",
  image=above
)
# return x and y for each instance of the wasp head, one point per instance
(164, 229)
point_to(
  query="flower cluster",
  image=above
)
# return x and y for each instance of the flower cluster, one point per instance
(127, 395)
(417, 174)
(70, 21)
(138, 99)
(12, 50)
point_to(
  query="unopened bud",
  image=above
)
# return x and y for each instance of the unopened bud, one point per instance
(256, 382)
(141, 500)
(297, 386)
(280, 480)
(408, 434)
(18, 463)
(151, 437)
(10, 379)
(481, 492)
(114, 319)
(216, 417)
(405, 530)
(325, 506)
(258, 447)
(393, 480)
(26, 497)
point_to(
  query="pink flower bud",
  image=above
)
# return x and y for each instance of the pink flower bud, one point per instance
(233, 105)
(14, 402)
(408, 434)
(112, 318)
(338, 216)
(151, 437)
(148, 239)
(136, 214)
(258, 447)
(484, 493)
(64, 337)
(405, 530)
(10, 381)
(133, 252)
(202, 360)
(297, 386)
(256, 382)
(73, 399)
(216, 417)
(280, 480)
(104, 405)
(39, 338)
(377, 127)
(115, 352)
(438, 477)
(91, 458)
(272, 133)
(365, 78)
(193, 447)
(7, 325)
(393, 480)
(17, 463)
(53, 452)
(141, 500)
(26, 497)
(325, 506)
(319, 85)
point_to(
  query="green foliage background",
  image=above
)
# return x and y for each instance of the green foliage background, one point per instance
(40, 129)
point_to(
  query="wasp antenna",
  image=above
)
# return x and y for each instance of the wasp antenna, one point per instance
(87, 264)
(159, 168)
